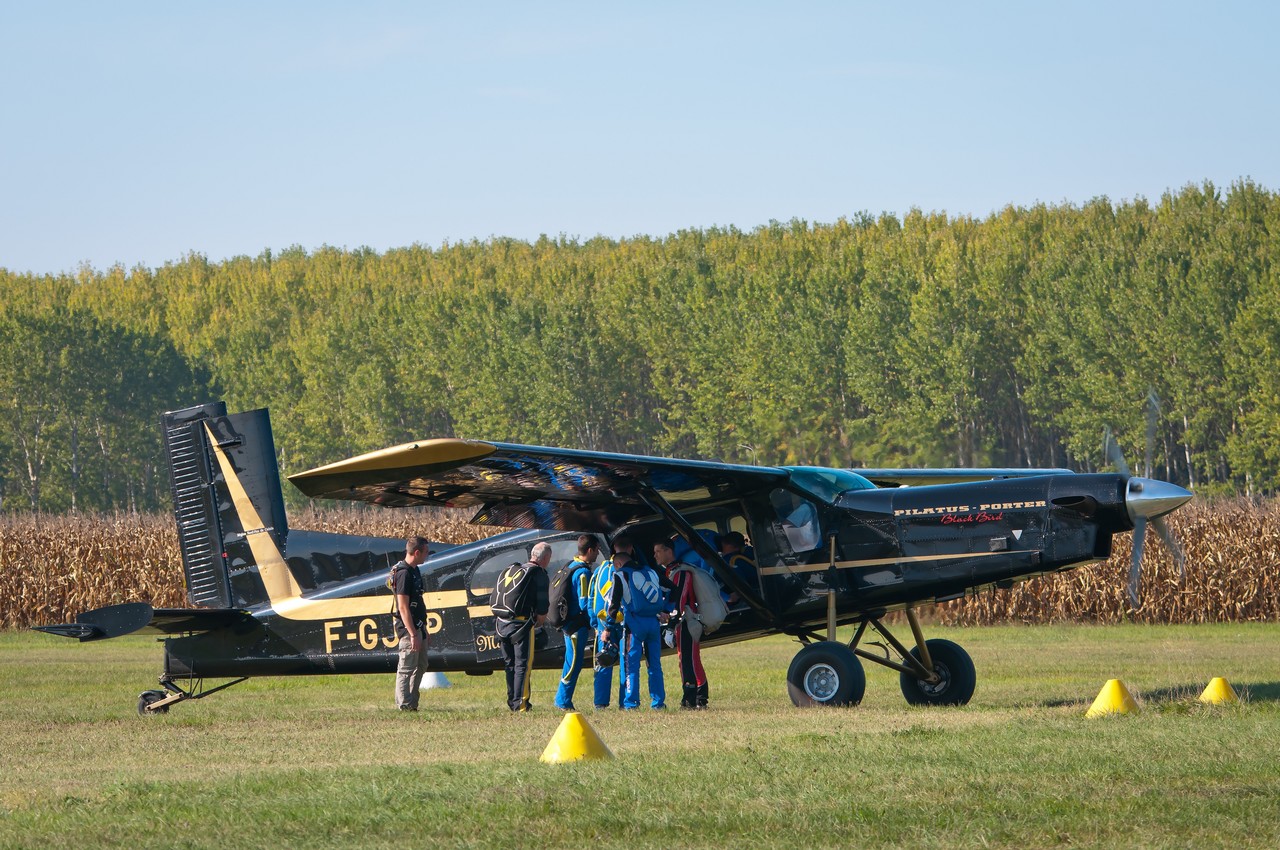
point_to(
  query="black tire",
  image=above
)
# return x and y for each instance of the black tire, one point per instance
(826, 673)
(146, 698)
(954, 667)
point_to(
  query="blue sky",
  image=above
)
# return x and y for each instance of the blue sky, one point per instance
(135, 133)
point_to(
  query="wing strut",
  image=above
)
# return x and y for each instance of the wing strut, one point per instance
(654, 500)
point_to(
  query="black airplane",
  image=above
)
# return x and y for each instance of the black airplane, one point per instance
(833, 548)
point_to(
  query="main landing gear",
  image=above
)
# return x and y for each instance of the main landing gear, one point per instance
(827, 672)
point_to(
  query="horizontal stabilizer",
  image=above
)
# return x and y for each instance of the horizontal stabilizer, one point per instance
(141, 618)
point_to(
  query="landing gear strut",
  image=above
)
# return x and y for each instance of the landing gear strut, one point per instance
(158, 702)
(934, 672)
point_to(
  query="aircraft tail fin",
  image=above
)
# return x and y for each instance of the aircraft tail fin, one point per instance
(226, 487)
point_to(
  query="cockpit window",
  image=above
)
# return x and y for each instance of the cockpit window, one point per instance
(798, 518)
(827, 484)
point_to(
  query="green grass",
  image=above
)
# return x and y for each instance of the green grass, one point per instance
(322, 762)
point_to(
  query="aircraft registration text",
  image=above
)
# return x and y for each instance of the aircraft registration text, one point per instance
(367, 634)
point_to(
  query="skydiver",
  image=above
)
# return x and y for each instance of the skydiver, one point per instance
(577, 629)
(639, 595)
(610, 634)
(741, 559)
(515, 631)
(684, 601)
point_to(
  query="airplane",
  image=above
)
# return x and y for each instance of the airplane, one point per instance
(834, 548)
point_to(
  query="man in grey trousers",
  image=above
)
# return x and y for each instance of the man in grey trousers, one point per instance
(406, 582)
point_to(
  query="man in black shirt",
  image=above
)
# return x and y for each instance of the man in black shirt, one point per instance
(515, 633)
(406, 583)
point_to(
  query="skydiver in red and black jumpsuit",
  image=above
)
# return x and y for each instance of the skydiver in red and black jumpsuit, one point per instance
(688, 646)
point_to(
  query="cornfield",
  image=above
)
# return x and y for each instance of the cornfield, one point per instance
(53, 567)
(1232, 575)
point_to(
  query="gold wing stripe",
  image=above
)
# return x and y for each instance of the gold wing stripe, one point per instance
(421, 453)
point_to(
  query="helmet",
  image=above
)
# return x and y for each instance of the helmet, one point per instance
(608, 656)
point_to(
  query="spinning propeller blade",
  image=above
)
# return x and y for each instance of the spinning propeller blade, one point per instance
(1111, 451)
(1135, 563)
(1146, 500)
(1175, 549)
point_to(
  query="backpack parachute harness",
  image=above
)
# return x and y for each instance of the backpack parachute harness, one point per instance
(511, 598)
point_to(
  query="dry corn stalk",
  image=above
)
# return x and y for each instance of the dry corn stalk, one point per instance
(53, 567)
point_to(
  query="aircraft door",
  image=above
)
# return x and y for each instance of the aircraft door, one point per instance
(788, 537)
(480, 582)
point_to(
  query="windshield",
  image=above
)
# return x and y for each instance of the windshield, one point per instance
(826, 484)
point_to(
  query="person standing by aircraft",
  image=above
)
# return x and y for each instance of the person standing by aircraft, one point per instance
(610, 636)
(639, 594)
(410, 618)
(684, 599)
(577, 629)
(515, 623)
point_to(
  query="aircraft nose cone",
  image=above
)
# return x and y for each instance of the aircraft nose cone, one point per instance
(1146, 497)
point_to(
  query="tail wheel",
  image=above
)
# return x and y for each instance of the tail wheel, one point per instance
(147, 698)
(955, 681)
(826, 673)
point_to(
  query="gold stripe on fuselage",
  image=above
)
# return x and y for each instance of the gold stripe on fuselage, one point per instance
(874, 562)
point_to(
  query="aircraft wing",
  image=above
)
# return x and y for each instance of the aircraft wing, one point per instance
(920, 477)
(141, 618)
(532, 486)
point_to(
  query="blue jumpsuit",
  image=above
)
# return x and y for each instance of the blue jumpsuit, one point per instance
(599, 594)
(642, 598)
(575, 641)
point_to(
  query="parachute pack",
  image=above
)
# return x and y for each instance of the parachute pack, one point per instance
(511, 597)
(563, 610)
(642, 596)
(711, 607)
(601, 587)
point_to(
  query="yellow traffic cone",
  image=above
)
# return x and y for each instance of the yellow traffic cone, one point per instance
(1114, 698)
(1218, 692)
(575, 739)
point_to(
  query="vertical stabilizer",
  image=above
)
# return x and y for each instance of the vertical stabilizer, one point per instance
(223, 469)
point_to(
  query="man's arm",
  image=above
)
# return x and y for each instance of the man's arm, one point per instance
(541, 595)
(402, 604)
(583, 590)
(615, 602)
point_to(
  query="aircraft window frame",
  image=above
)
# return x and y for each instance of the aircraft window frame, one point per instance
(791, 532)
(487, 566)
(826, 484)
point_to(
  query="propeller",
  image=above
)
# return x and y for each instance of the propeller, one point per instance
(1147, 501)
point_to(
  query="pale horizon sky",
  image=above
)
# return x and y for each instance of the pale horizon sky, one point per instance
(136, 133)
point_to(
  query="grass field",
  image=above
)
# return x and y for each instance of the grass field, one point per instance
(326, 762)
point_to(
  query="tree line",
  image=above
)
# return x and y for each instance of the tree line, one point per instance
(881, 340)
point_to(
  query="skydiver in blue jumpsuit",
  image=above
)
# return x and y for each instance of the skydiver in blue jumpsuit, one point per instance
(640, 596)
(578, 631)
(608, 631)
